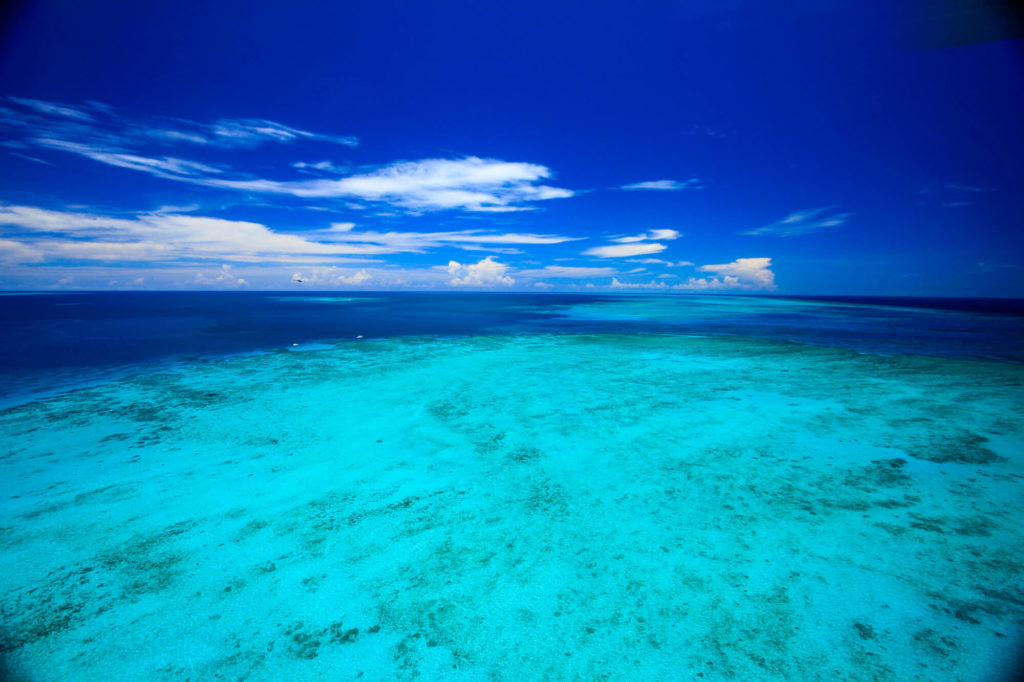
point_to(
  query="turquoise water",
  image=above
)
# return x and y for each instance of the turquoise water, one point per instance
(521, 506)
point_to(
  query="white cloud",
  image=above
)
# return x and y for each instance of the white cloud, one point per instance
(485, 273)
(30, 158)
(333, 276)
(163, 167)
(172, 236)
(649, 236)
(322, 166)
(623, 250)
(54, 109)
(162, 236)
(224, 279)
(666, 185)
(802, 222)
(748, 274)
(570, 272)
(659, 261)
(94, 123)
(418, 241)
(742, 273)
(470, 184)
(254, 132)
(467, 184)
(616, 284)
(14, 252)
(359, 278)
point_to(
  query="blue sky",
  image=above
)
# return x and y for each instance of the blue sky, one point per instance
(646, 146)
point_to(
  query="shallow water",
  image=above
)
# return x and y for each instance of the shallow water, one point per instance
(521, 506)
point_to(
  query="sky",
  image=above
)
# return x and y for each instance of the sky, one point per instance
(802, 147)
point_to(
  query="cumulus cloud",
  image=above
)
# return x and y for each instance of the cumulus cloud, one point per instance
(333, 276)
(616, 284)
(623, 250)
(748, 274)
(743, 273)
(802, 222)
(224, 279)
(485, 273)
(666, 185)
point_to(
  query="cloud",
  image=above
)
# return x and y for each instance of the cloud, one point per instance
(30, 158)
(659, 261)
(53, 109)
(623, 250)
(249, 133)
(666, 185)
(652, 235)
(95, 124)
(958, 187)
(950, 194)
(470, 184)
(570, 272)
(47, 234)
(485, 273)
(224, 279)
(616, 284)
(322, 166)
(748, 274)
(419, 241)
(467, 184)
(742, 273)
(802, 222)
(333, 276)
(14, 252)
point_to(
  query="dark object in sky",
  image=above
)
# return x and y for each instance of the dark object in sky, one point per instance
(949, 23)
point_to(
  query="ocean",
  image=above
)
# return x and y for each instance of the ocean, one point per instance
(398, 486)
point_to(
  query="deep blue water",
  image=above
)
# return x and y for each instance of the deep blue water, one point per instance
(58, 339)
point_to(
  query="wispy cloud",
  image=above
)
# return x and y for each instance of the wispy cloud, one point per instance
(470, 240)
(634, 245)
(648, 236)
(802, 222)
(98, 133)
(30, 158)
(471, 184)
(950, 194)
(562, 271)
(659, 261)
(666, 185)
(32, 235)
(94, 123)
(53, 109)
(624, 250)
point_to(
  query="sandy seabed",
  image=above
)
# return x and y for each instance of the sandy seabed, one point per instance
(536, 507)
